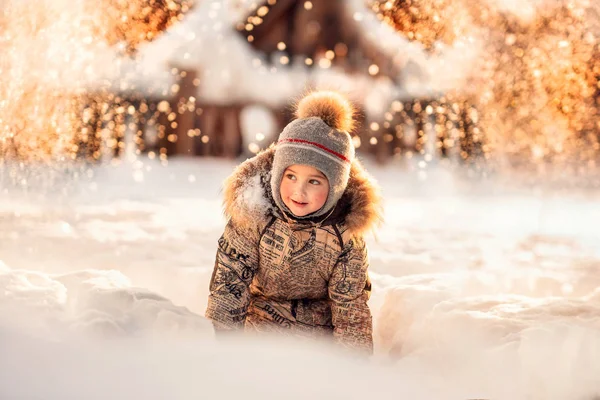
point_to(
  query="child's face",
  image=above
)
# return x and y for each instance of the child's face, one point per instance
(304, 189)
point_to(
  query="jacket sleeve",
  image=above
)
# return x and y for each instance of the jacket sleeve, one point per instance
(349, 291)
(235, 266)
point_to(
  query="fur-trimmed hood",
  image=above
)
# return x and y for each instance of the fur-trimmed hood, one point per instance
(247, 201)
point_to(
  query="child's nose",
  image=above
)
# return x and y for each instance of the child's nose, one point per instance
(300, 189)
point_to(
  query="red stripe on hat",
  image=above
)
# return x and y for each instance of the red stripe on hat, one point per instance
(320, 146)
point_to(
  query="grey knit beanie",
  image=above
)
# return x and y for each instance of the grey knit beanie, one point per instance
(318, 137)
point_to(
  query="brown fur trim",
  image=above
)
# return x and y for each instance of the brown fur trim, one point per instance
(246, 204)
(364, 197)
(333, 108)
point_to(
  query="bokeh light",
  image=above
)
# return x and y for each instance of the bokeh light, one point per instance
(534, 89)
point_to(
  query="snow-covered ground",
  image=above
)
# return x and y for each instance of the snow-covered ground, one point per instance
(481, 290)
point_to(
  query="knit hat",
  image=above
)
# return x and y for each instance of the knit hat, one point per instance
(318, 137)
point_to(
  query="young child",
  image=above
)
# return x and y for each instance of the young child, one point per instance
(292, 257)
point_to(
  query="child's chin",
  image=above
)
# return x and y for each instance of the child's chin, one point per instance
(300, 213)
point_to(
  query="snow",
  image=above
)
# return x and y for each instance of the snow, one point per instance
(481, 289)
(252, 196)
(153, 369)
(93, 302)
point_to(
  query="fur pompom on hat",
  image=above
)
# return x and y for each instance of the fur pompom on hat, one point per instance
(318, 137)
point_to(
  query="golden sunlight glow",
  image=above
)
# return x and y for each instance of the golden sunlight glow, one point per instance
(46, 114)
(534, 90)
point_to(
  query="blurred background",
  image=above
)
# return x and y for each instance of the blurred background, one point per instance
(496, 85)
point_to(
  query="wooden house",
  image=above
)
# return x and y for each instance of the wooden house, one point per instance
(267, 58)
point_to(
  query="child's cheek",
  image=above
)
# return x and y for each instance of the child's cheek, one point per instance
(283, 190)
(321, 197)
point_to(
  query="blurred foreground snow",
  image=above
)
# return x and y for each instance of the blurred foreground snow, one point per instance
(481, 290)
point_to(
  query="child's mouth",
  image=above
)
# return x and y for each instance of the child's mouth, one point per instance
(298, 203)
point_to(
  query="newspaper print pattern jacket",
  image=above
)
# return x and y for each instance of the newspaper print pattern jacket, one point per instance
(308, 279)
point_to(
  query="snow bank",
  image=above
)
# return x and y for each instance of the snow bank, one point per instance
(479, 291)
(92, 302)
(503, 345)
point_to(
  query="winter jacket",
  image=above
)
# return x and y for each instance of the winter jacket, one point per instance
(306, 278)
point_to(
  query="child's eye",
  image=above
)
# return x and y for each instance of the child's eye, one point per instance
(314, 182)
(290, 176)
